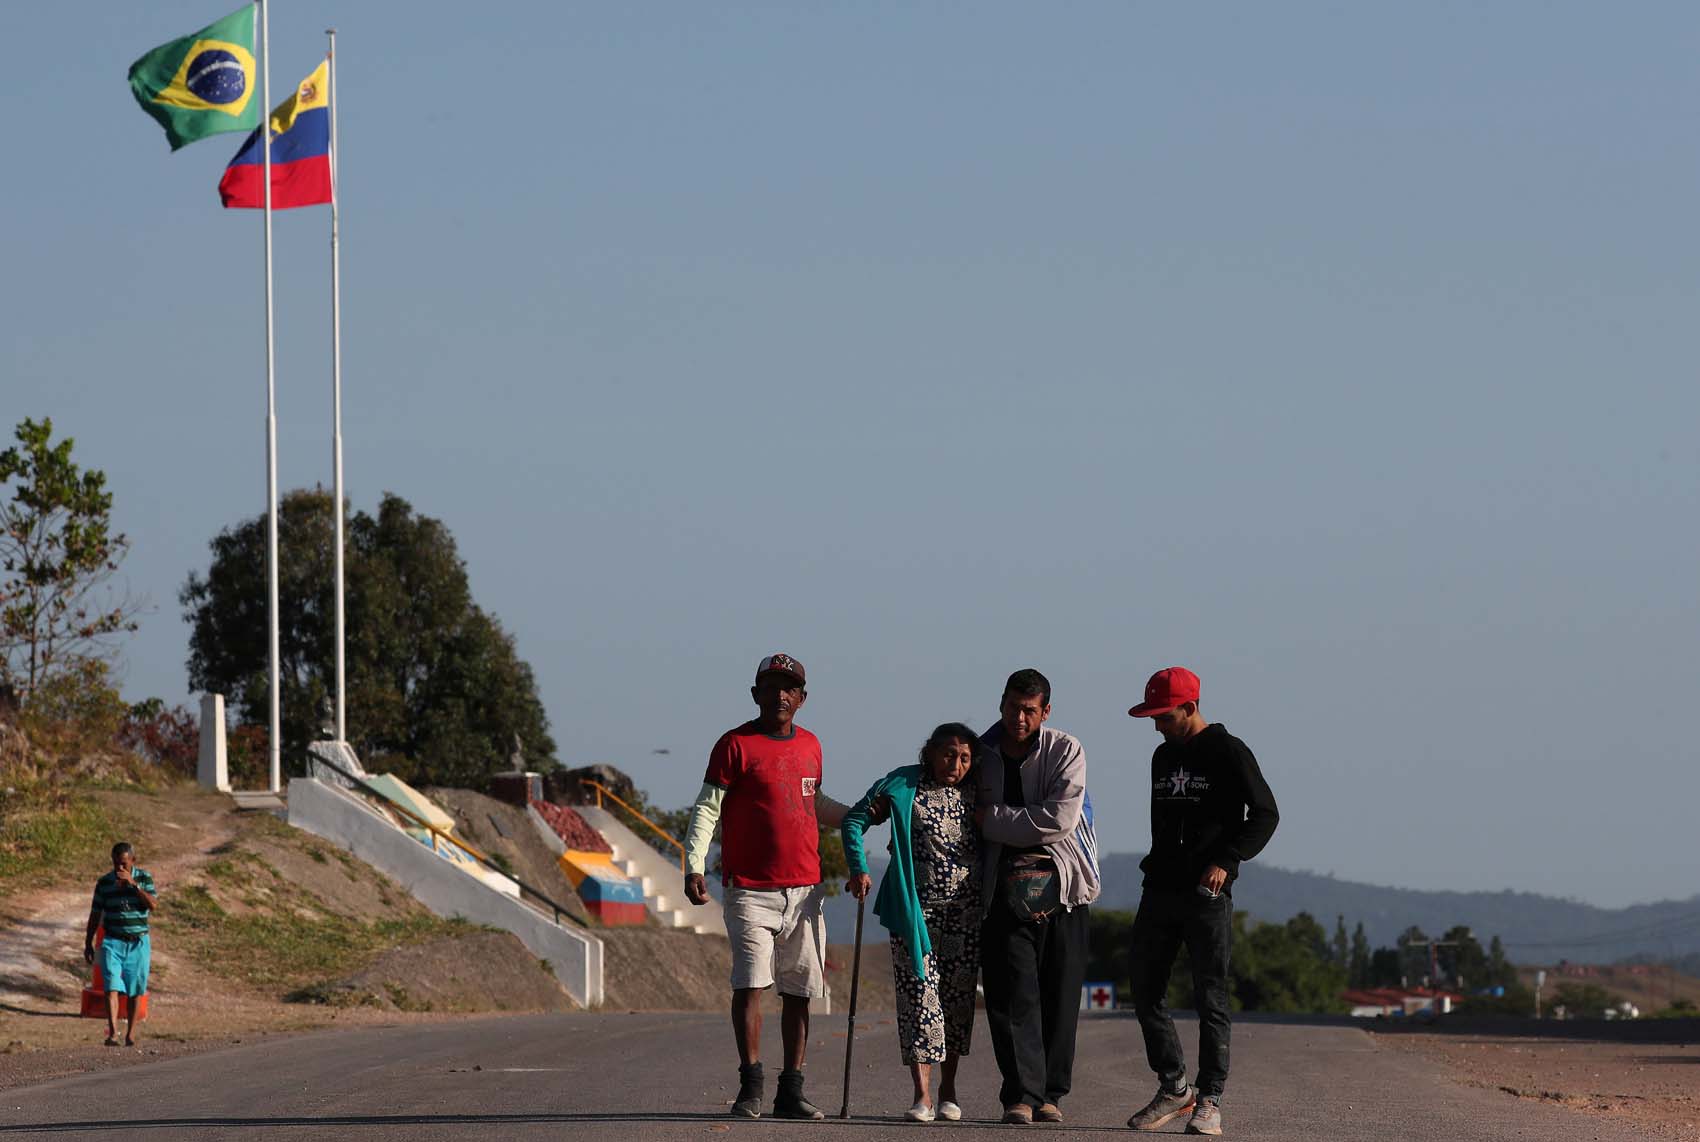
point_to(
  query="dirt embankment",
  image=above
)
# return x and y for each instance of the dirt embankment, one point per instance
(644, 967)
(506, 835)
(1642, 1071)
(261, 929)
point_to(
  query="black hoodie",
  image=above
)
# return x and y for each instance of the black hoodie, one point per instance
(1209, 806)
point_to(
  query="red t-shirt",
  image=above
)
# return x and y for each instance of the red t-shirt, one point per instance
(769, 837)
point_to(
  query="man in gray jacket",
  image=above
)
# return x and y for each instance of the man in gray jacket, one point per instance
(1040, 872)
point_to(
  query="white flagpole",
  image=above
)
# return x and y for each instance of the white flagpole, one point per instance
(336, 402)
(276, 728)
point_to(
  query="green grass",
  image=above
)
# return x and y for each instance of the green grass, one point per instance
(287, 950)
(44, 831)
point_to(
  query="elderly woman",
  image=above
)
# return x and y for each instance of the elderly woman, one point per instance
(929, 899)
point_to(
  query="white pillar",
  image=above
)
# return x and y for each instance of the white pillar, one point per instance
(212, 769)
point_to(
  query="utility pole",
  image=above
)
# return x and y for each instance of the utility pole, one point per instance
(1434, 947)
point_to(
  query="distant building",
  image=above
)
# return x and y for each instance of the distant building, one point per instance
(1398, 1002)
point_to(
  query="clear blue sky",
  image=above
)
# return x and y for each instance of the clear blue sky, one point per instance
(1341, 352)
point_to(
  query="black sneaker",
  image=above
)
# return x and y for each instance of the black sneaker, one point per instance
(790, 1103)
(748, 1103)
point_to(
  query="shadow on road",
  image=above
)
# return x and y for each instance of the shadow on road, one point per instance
(370, 1121)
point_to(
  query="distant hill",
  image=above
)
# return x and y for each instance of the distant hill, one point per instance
(1534, 928)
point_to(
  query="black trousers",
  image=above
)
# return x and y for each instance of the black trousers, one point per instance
(1165, 920)
(1033, 973)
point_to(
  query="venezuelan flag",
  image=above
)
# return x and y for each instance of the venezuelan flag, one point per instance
(301, 152)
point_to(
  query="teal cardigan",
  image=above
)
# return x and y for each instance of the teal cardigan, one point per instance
(898, 904)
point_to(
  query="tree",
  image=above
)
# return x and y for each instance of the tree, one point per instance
(1501, 971)
(1413, 955)
(58, 553)
(1274, 967)
(436, 690)
(1340, 951)
(1358, 971)
(1285, 967)
(1582, 1000)
(1304, 928)
(1469, 963)
(1386, 968)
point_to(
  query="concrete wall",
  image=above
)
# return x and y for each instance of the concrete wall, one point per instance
(346, 820)
(546, 831)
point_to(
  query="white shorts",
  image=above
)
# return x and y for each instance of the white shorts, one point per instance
(778, 934)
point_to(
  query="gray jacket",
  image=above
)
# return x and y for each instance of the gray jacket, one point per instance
(1058, 814)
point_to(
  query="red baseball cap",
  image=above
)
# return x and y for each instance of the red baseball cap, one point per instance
(1166, 690)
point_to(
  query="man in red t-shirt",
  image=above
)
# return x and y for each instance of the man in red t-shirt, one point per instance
(763, 788)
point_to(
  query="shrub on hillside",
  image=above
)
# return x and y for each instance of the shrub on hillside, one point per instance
(247, 757)
(169, 737)
(1582, 1000)
(1517, 1002)
(74, 713)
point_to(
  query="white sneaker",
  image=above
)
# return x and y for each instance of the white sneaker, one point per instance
(920, 1112)
(950, 1112)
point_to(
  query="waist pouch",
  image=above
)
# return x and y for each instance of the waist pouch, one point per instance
(1031, 888)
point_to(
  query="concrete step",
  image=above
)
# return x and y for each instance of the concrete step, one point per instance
(657, 874)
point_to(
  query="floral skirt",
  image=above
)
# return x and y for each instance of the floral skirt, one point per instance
(935, 1007)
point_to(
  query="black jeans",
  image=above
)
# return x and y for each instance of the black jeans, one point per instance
(1165, 920)
(1033, 973)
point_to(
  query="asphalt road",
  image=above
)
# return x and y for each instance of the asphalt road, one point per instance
(654, 1077)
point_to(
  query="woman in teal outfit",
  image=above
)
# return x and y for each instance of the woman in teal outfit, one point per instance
(929, 899)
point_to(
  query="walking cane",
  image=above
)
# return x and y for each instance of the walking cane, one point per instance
(855, 984)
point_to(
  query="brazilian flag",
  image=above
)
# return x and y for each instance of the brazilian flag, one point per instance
(203, 84)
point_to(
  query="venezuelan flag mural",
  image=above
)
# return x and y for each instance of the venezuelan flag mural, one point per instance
(301, 153)
(608, 894)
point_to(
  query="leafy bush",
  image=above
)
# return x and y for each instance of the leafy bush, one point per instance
(1581, 1000)
(74, 713)
(168, 737)
(247, 759)
(1518, 1001)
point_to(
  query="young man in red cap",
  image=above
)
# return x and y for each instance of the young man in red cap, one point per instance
(1210, 810)
(763, 787)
